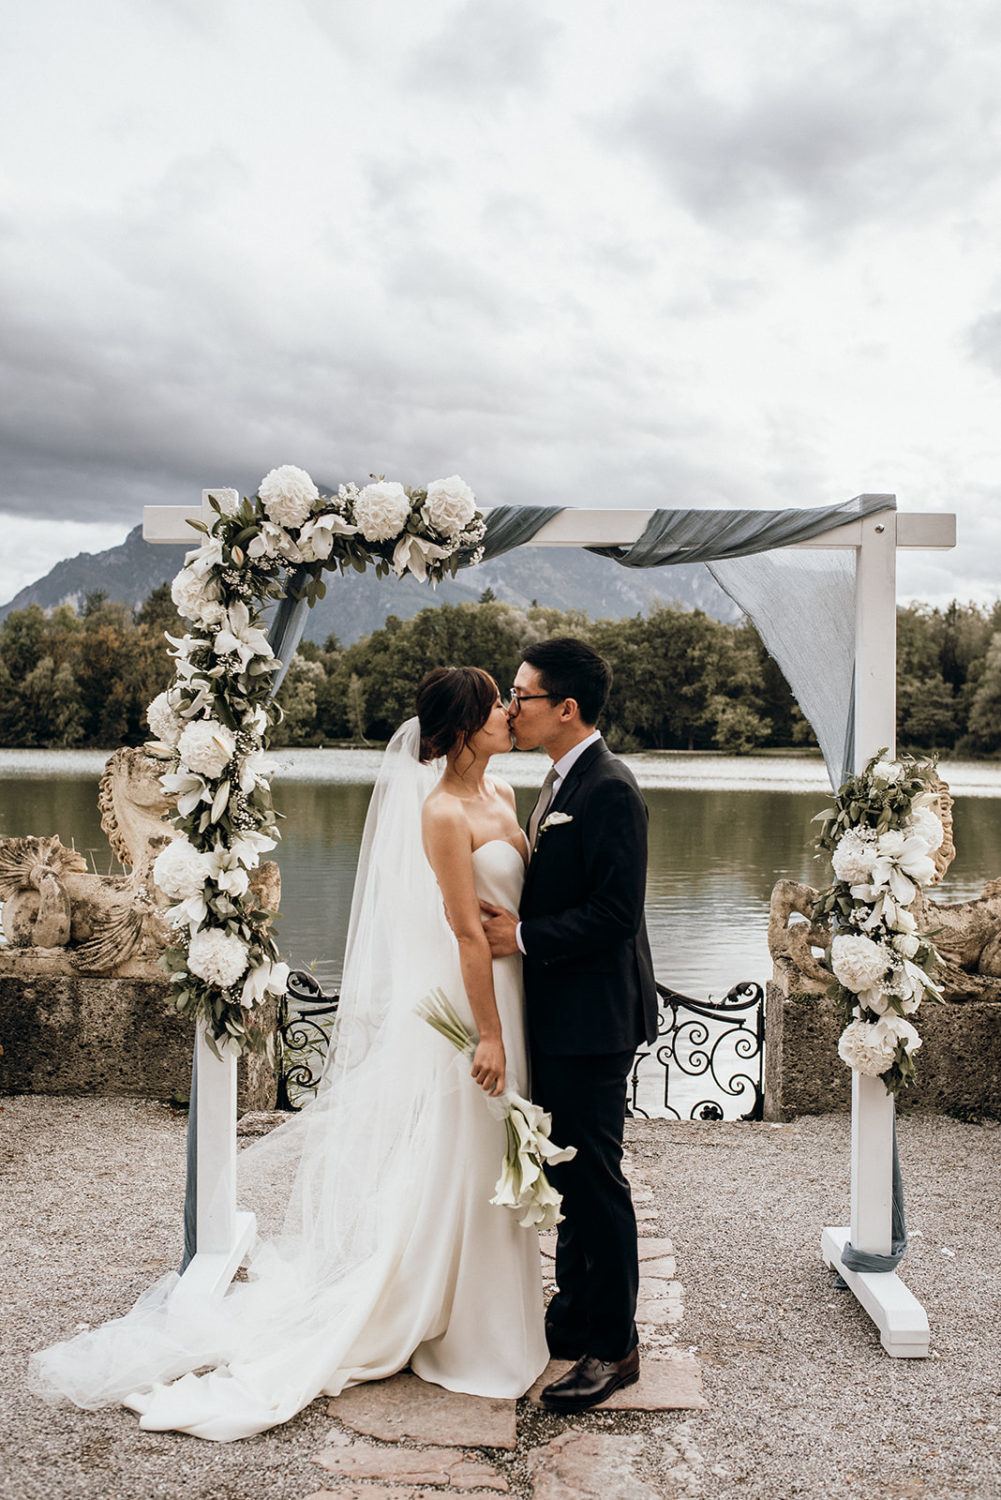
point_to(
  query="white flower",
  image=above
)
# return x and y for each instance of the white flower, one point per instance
(249, 847)
(218, 957)
(191, 593)
(255, 770)
(450, 505)
(924, 824)
(163, 720)
(900, 1030)
(188, 788)
(206, 747)
(227, 871)
(268, 542)
(316, 539)
(854, 855)
(381, 511)
(238, 636)
(555, 819)
(180, 870)
(891, 843)
(867, 1047)
(268, 978)
(906, 944)
(255, 721)
(887, 771)
(904, 870)
(413, 553)
(288, 495)
(904, 921)
(858, 962)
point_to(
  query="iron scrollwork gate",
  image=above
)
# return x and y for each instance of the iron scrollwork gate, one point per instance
(695, 1040)
(722, 1043)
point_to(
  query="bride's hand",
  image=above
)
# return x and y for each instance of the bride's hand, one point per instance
(488, 1067)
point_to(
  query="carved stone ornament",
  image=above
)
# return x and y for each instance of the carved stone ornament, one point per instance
(60, 918)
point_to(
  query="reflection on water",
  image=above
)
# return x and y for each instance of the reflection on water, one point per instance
(716, 848)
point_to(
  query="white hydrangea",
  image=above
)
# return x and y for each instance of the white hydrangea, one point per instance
(218, 957)
(868, 1047)
(924, 824)
(206, 747)
(891, 844)
(163, 721)
(192, 592)
(180, 870)
(854, 855)
(288, 495)
(381, 511)
(858, 962)
(450, 505)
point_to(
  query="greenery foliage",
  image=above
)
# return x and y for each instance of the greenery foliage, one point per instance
(682, 679)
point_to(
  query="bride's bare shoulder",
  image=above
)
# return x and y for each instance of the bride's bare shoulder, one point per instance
(443, 810)
(503, 789)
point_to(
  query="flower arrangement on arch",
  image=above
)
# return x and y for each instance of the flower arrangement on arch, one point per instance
(213, 723)
(882, 834)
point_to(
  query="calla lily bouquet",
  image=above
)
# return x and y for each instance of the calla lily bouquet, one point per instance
(523, 1185)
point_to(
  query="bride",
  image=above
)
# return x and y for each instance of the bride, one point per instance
(384, 1249)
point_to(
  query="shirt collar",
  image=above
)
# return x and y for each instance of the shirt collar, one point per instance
(565, 762)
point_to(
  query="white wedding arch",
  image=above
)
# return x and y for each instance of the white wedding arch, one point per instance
(224, 1233)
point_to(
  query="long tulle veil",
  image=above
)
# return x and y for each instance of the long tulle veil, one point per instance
(334, 1188)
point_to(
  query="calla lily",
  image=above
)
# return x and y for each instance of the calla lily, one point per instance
(413, 553)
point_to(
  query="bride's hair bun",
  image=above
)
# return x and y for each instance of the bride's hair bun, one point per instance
(452, 704)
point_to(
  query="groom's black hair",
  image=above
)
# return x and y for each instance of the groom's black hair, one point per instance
(570, 668)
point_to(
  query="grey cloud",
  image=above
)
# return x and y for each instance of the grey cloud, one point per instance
(486, 50)
(984, 341)
(871, 119)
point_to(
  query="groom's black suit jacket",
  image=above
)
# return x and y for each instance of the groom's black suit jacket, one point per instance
(589, 983)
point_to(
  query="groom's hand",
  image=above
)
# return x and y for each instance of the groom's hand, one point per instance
(500, 926)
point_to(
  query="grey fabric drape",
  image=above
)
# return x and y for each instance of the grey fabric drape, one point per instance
(510, 526)
(673, 536)
(862, 1260)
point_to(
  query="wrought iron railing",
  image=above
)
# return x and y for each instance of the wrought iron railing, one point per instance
(305, 1018)
(721, 1042)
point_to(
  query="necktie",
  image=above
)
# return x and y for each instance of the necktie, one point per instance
(542, 806)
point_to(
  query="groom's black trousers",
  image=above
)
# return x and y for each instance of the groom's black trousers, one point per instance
(597, 1264)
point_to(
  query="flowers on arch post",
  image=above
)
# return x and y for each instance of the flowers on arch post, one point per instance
(212, 725)
(882, 834)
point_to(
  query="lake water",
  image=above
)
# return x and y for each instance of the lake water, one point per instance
(722, 831)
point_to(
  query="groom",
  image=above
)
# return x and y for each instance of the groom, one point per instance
(590, 1001)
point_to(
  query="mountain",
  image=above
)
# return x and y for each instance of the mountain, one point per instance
(358, 603)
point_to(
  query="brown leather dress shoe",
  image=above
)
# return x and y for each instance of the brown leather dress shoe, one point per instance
(590, 1382)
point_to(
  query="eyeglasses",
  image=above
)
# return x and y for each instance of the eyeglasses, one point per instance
(515, 700)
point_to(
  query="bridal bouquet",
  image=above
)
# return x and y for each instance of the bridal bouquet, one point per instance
(523, 1185)
(882, 834)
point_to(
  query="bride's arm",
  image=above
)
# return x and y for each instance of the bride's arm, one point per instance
(449, 850)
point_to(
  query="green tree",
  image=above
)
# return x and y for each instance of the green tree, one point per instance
(984, 733)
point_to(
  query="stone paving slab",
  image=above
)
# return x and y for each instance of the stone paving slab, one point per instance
(673, 1384)
(406, 1407)
(413, 1466)
(589, 1466)
(663, 1267)
(392, 1492)
(653, 1247)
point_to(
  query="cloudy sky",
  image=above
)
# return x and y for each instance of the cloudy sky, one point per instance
(593, 252)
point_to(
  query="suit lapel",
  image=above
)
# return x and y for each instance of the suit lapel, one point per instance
(568, 790)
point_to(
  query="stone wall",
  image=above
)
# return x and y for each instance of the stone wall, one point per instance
(67, 1034)
(958, 1064)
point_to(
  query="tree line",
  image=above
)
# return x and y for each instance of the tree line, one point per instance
(683, 680)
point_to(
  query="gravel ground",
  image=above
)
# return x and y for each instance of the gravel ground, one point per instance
(803, 1402)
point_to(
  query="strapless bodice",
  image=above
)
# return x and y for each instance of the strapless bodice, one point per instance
(499, 869)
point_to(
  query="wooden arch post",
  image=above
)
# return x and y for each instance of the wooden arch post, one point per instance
(223, 1233)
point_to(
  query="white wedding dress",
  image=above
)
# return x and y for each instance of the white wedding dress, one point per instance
(389, 1252)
